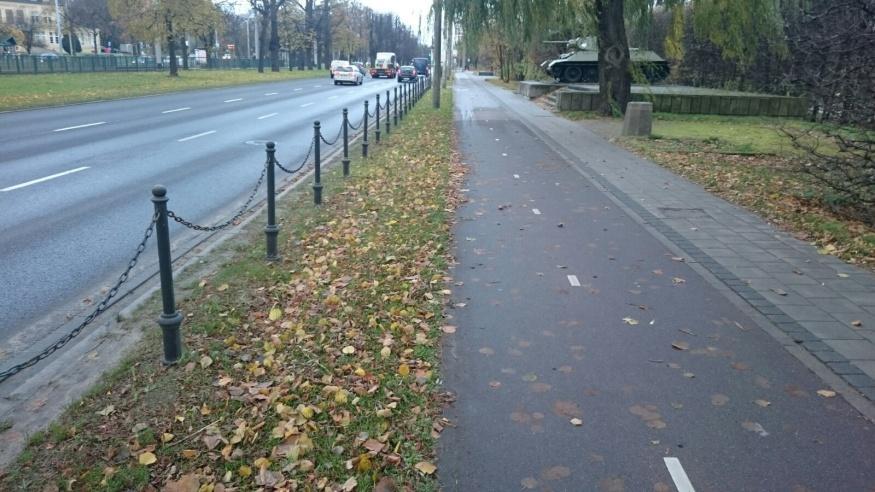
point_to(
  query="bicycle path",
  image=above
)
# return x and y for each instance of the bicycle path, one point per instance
(592, 353)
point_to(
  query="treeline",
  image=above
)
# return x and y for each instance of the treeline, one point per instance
(306, 32)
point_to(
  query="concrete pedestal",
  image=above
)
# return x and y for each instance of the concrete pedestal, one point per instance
(639, 119)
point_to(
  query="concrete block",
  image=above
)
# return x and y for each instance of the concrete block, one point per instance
(638, 121)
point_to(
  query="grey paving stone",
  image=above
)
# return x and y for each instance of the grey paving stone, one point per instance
(779, 318)
(815, 290)
(830, 356)
(793, 279)
(776, 267)
(771, 310)
(817, 347)
(751, 273)
(867, 334)
(807, 313)
(854, 349)
(859, 380)
(846, 286)
(831, 330)
(836, 305)
(845, 368)
(860, 298)
(866, 366)
(750, 250)
(791, 299)
(868, 393)
(866, 320)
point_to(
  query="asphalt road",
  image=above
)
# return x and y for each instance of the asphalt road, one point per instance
(588, 356)
(75, 184)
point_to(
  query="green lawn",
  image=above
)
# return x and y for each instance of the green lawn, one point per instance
(31, 91)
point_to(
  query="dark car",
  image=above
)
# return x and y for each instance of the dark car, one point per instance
(421, 66)
(406, 72)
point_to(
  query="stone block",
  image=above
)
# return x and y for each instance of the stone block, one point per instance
(638, 121)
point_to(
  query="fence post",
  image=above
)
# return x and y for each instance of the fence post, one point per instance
(365, 124)
(377, 126)
(170, 318)
(387, 112)
(271, 229)
(345, 142)
(403, 102)
(317, 173)
(395, 114)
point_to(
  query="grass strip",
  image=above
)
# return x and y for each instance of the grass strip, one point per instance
(40, 90)
(317, 372)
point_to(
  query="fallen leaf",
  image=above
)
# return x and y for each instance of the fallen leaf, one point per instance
(780, 292)
(275, 314)
(166, 437)
(680, 345)
(109, 409)
(403, 370)
(857, 322)
(186, 483)
(754, 427)
(206, 361)
(147, 458)
(529, 483)
(763, 403)
(576, 422)
(556, 473)
(425, 467)
(826, 393)
(223, 287)
(486, 351)
(386, 484)
(348, 350)
(448, 329)
(718, 400)
(630, 321)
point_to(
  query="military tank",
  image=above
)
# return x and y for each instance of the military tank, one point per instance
(581, 64)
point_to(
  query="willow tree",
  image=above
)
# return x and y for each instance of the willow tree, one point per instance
(736, 26)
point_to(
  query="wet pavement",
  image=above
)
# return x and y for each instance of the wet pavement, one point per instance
(591, 355)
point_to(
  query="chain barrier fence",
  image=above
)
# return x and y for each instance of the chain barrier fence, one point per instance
(170, 319)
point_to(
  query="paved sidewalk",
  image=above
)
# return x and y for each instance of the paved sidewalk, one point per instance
(607, 338)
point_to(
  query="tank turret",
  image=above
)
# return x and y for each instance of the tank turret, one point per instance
(581, 62)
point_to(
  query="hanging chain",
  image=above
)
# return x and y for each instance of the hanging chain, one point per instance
(101, 307)
(227, 223)
(303, 163)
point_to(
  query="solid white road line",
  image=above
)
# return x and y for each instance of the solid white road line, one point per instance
(267, 116)
(234, 100)
(572, 279)
(271, 93)
(536, 211)
(308, 104)
(79, 126)
(681, 481)
(175, 110)
(40, 180)
(199, 135)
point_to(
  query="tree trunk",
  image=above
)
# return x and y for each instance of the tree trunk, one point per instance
(615, 80)
(184, 45)
(262, 36)
(171, 46)
(436, 76)
(274, 39)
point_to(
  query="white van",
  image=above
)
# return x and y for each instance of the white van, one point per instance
(385, 65)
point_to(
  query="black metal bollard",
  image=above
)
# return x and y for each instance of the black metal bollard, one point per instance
(387, 111)
(401, 103)
(377, 126)
(345, 160)
(365, 124)
(271, 229)
(317, 173)
(395, 114)
(170, 318)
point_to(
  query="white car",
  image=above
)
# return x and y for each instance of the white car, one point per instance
(348, 75)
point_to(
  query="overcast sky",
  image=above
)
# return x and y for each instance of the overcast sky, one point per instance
(408, 10)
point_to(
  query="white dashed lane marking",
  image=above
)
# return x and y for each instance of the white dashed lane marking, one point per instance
(516, 176)
(681, 481)
(572, 279)
(536, 211)
(307, 104)
(199, 135)
(271, 93)
(40, 180)
(79, 126)
(267, 116)
(175, 110)
(234, 100)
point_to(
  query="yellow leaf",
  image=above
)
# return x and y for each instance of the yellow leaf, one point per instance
(189, 453)
(404, 369)
(360, 372)
(222, 287)
(147, 458)
(262, 463)
(307, 413)
(340, 397)
(206, 361)
(364, 463)
(166, 437)
(426, 467)
(385, 352)
(826, 393)
(348, 350)
(275, 314)
(244, 471)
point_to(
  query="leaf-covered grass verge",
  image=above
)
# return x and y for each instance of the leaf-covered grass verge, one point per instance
(750, 162)
(317, 372)
(40, 90)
